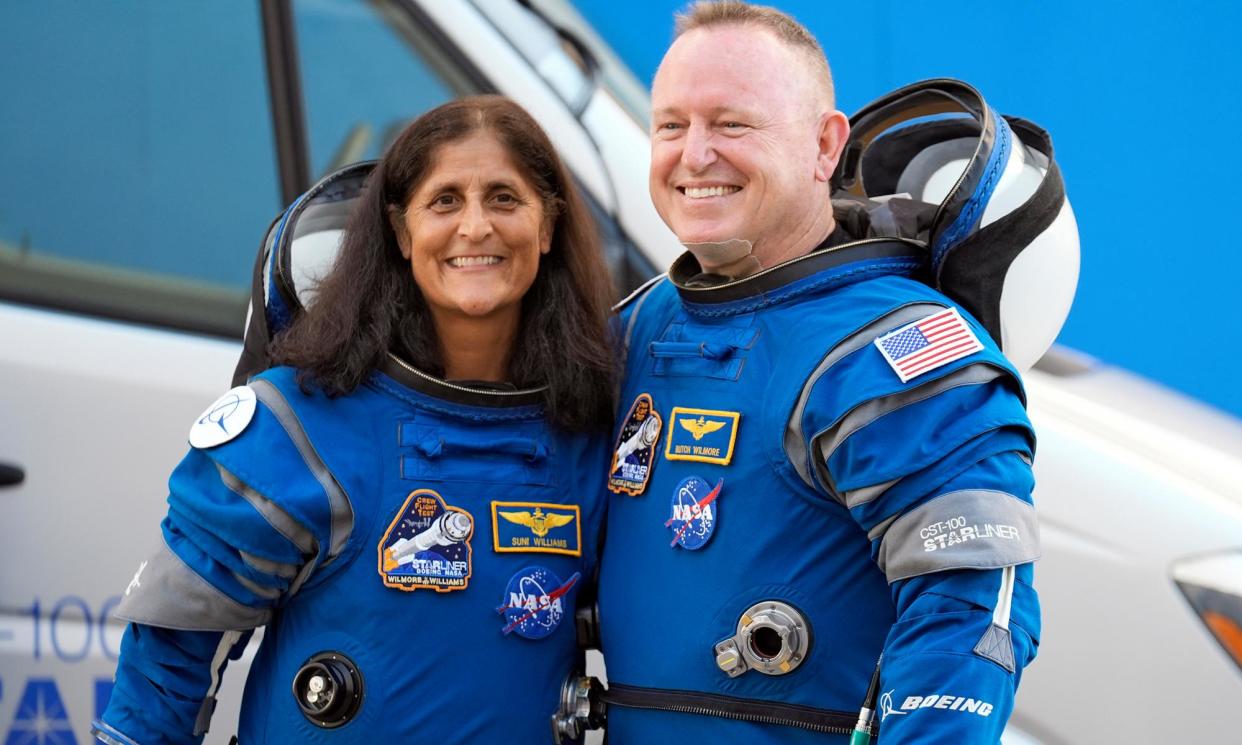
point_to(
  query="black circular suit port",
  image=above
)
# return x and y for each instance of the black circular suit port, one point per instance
(328, 689)
(766, 642)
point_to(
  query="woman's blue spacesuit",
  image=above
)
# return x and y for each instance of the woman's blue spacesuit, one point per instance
(415, 548)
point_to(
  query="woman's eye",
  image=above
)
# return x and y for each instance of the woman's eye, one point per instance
(444, 200)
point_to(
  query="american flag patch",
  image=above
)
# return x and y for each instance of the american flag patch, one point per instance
(929, 343)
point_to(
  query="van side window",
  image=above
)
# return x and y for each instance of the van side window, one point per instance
(137, 152)
(368, 69)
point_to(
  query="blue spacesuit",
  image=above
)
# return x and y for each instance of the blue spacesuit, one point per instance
(414, 551)
(843, 471)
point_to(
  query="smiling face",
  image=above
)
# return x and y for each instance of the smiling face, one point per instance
(473, 232)
(744, 142)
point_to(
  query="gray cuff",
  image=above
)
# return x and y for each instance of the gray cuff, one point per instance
(171, 595)
(968, 529)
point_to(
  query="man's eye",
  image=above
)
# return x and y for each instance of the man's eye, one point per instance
(733, 125)
(669, 127)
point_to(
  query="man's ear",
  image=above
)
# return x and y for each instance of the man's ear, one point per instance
(396, 220)
(834, 130)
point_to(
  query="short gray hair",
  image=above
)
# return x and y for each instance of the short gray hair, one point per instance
(717, 13)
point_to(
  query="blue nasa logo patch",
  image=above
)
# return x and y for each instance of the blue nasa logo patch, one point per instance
(695, 513)
(535, 602)
(427, 545)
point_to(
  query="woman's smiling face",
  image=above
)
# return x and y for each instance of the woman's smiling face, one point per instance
(474, 231)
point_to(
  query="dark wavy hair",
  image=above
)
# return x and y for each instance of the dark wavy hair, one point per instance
(369, 303)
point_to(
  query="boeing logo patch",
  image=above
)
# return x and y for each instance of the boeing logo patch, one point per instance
(634, 455)
(702, 435)
(224, 419)
(963, 704)
(427, 545)
(927, 344)
(537, 528)
(534, 602)
(695, 513)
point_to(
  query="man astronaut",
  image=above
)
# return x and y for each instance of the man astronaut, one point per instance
(844, 467)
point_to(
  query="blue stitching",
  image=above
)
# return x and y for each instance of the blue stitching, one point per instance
(966, 219)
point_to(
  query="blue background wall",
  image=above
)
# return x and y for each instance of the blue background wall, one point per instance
(1143, 101)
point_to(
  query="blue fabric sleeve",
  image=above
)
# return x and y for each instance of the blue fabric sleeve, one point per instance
(163, 681)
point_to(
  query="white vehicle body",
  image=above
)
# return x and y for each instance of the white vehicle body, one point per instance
(94, 412)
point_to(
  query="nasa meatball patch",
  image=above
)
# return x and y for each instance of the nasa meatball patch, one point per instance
(634, 455)
(535, 602)
(427, 545)
(696, 512)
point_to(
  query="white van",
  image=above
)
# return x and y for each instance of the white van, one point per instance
(145, 146)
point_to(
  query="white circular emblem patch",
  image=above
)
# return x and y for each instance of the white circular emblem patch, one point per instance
(224, 419)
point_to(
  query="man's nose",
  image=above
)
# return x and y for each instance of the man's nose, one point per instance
(699, 152)
(475, 225)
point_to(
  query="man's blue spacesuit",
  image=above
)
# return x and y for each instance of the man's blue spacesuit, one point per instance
(413, 549)
(843, 470)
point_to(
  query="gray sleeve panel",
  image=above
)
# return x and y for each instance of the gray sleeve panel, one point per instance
(203, 721)
(268, 593)
(274, 568)
(968, 529)
(795, 443)
(171, 595)
(825, 443)
(280, 520)
(341, 510)
(865, 494)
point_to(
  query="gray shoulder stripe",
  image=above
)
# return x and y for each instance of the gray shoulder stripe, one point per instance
(282, 522)
(642, 293)
(267, 566)
(827, 442)
(795, 444)
(169, 594)
(341, 509)
(970, 528)
(639, 291)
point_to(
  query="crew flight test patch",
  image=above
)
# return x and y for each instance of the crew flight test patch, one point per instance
(427, 545)
(634, 454)
(928, 343)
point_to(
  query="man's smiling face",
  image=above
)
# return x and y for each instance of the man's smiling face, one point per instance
(736, 141)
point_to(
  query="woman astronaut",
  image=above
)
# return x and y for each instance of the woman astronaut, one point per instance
(408, 504)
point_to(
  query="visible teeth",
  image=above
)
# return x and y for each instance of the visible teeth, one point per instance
(710, 191)
(473, 260)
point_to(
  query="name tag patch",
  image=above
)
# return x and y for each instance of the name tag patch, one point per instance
(537, 528)
(534, 602)
(634, 455)
(702, 435)
(427, 545)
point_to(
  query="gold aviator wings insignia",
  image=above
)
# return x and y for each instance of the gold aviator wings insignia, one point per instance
(539, 523)
(701, 426)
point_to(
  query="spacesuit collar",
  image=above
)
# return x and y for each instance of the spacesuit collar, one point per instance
(835, 261)
(468, 393)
